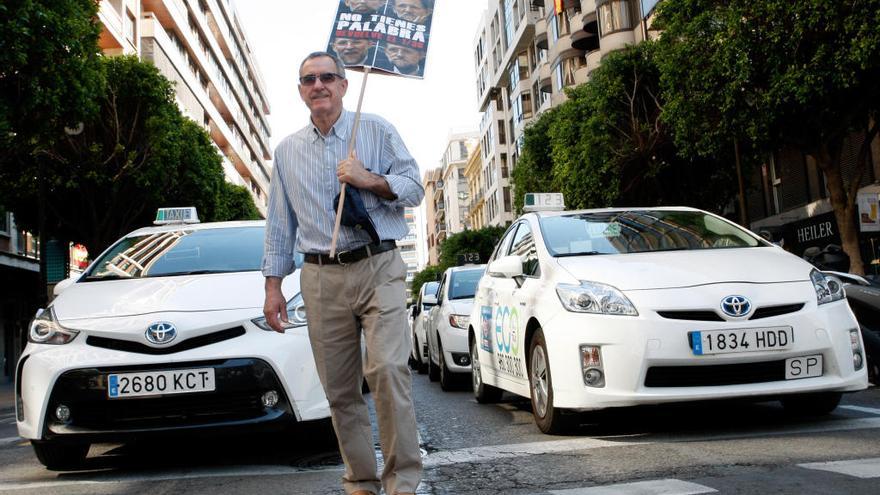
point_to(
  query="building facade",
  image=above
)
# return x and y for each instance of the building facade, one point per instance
(473, 173)
(435, 230)
(456, 195)
(408, 247)
(525, 55)
(201, 47)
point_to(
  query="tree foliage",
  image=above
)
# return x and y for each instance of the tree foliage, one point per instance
(430, 273)
(480, 241)
(234, 202)
(49, 77)
(136, 154)
(608, 146)
(776, 73)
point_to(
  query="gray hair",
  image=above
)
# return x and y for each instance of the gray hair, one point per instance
(340, 67)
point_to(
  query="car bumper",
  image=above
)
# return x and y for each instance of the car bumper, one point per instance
(245, 367)
(649, 360)
(455, 349)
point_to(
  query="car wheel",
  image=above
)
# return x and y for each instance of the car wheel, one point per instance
(421, 367)
(816, 404)
(485, 394)
(447, 378)
(550, 419)
(60, 456)
(433, 369)
(872, 354)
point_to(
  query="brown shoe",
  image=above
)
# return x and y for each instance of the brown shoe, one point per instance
(363, 492)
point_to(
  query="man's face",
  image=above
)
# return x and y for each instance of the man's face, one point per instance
(411, 10)
(323, 99)
(364, 6)
(405, 58)
(351, 51)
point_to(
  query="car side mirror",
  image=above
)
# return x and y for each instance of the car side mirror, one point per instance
(429, 300)
(506, 267)
(64, 284)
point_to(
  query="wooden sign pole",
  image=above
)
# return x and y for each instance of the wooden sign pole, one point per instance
(351, 154)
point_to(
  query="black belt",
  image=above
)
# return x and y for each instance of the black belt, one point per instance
(347, 257)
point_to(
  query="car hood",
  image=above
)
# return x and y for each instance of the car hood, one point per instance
(460, 306)
(209, 292)
(675, 269)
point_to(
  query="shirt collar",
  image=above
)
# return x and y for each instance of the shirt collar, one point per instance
(341, 129)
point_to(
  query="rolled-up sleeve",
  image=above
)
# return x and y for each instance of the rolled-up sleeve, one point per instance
(403, 172)
(281, 226)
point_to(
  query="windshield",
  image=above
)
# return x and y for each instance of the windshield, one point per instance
(463, 284)
(620, 232)
(182, 252)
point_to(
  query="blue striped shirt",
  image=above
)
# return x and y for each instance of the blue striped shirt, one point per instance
(300, 214)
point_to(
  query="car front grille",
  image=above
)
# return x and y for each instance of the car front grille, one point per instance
(716, 374)
(185, 345)
(240, 384)
(710, 315)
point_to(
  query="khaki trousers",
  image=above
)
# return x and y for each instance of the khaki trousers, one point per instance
(341, 300)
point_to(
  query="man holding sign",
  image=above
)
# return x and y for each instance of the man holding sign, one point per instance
(359, 293)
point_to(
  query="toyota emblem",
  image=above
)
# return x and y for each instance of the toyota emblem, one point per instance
(736, 306)
(161, 333)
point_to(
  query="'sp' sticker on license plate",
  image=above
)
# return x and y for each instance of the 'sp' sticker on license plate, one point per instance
(741, 340)
(160, 383)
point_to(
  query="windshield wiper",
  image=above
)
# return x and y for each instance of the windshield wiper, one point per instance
(96, 278)
(581, 253)
(190, 272)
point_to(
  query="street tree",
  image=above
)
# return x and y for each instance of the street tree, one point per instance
(480, 241)
(234, 202)
(775, 73)
(50, 76)
(137, 153)
(608, 146)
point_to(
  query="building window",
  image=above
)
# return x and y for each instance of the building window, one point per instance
(502, 138)
(615, 15)
(507, 207)
(130, 27)
(5, 223)
(504, 171)
(526, 105)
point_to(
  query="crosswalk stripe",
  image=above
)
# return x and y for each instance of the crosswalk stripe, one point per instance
(859, 468)
(653, 487)
(491, 452)
(869, 410)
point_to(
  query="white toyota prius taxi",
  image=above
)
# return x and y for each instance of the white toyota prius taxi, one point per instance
(585, 310)
(164, 333)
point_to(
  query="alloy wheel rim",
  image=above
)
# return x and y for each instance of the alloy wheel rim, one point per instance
(539, 381)
(476, 380)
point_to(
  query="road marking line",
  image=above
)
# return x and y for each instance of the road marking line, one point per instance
(859, 468)
(653, 487)
(492, 452)
(231, 471)
(869, 410)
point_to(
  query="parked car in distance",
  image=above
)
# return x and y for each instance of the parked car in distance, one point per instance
(421, 312)
(864, 300)
(594, 309)
(448, 356)
(164, 334)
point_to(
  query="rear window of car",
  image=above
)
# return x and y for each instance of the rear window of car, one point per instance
(640, 231)
(463, 283)
(182, 252)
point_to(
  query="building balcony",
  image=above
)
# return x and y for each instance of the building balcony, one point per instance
(561, 49)
(541, 33)
(588, 7)
(440, 228)
(545, 76)
(594, 58)
(112, 40)
(582, 75)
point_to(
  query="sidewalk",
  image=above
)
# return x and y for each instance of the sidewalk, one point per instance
(7, 397)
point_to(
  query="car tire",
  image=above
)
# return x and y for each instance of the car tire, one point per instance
(447, 378)
(60, 456)
(421, 367)
(815, 404)
(872, 354)
(485, 394)
(549, 418)
(433, 369)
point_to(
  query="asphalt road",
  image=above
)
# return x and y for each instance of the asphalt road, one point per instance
(496, 449)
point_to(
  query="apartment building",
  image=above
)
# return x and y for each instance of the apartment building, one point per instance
(409, 247)
(473, 173)
(526, 53)
(456, 195)
(201, 46)
(435, 231)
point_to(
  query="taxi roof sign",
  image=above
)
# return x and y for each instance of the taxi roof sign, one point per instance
(165, 216)
(544, 202)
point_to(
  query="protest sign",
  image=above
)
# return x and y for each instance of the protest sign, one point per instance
(390, 36)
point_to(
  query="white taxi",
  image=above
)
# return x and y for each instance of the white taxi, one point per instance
(585, 310)
(163, 333)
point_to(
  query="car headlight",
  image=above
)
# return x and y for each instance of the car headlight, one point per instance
(828, 289)
(593, 297)
(45, 329)
(459, 321)
(296, 315)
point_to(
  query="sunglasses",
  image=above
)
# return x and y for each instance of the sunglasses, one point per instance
(326, 78)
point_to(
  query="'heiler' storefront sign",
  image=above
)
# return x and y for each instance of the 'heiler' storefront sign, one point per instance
(386, 35)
